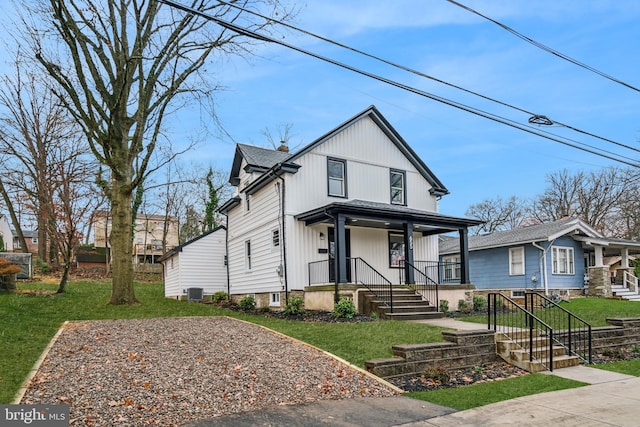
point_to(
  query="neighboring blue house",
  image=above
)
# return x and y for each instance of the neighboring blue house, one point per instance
(566, 255)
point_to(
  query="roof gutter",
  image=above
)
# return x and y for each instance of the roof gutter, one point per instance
(543, 258)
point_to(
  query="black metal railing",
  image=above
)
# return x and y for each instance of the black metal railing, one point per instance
(443, 272)
(367, 276)
(521, 327)
(570, 331)
(422, 284)
(359, 272)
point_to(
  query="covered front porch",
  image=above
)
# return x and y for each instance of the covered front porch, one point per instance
(384, 249)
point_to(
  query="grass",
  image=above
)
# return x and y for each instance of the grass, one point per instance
(29, 321)
(592, 310)
(628, 367)
(482, 394)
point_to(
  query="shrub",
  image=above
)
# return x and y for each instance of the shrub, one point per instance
(463, 307)
(479, 303)
(344, 309)
(247, 303)
(444, 306)
(295, 306)
(220, 296)
(438, 374)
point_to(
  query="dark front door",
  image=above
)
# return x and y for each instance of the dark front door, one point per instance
(332, 254)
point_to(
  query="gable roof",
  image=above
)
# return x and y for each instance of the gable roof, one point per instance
(179, 248)
(263, 159)
(374, 114)
(534, 233)
(258, 159)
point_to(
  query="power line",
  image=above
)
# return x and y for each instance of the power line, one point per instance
(478, 112)
(545, 47)
(532, 120)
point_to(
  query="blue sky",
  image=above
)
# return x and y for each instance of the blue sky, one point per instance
(475, 158)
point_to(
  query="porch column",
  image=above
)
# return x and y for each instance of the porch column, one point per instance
(341, 249)
(599, 258)
(408, 252)
(464, 255)
(624, 258)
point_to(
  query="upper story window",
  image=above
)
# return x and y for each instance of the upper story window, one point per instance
(337, 177)
(247, 203)
(398, 192)
(516, 261)
(562, 259)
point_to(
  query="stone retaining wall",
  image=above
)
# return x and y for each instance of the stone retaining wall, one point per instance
(462, 349)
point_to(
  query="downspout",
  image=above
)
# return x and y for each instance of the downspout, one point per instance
(284, 240)
(544, 265)
(226, 254)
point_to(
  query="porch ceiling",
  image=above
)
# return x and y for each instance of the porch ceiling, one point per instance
(379, 215)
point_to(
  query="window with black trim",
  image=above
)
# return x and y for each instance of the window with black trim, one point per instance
(337, 177)
(247, 255)
(396, 249)
(398, 187)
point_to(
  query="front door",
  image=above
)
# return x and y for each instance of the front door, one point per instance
(332, 254)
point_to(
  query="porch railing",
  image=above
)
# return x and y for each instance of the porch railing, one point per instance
(443, 272)
(358, 272)
(630, 281)
(521, 327)
(423, 284)
(571, 332)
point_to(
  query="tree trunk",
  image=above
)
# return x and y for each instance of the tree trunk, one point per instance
(121, 245)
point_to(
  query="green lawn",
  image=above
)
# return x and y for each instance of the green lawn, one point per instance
(482, 394)
(628, 367)
(30, 321)
(592, 310)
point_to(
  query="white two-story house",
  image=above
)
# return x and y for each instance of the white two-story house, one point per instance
(356, 206)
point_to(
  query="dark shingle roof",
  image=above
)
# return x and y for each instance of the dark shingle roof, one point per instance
(531, 233)
(262, 157)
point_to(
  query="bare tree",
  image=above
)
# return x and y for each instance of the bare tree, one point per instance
(127, 65)
(560, 198)
(498, 214)
(34, 125)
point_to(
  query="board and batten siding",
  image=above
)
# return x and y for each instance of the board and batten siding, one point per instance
(369, 155)
(256, 226)
(200, 264)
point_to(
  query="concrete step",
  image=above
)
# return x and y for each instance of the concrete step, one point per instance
(418, 315)
(413, 308)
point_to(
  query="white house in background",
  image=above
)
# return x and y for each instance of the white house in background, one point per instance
(356, 205)
(5, 233)
(198, 263)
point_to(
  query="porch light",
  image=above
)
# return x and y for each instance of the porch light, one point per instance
(321, 235)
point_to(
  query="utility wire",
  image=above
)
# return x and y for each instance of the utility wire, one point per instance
(545, 47)
(535, 118)
(481, 113)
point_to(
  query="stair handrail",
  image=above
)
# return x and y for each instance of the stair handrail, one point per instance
(373, 281)
(424, 285)
(576, 336)
(519, 322)
(629, 278)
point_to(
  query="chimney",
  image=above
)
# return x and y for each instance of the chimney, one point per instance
(283, 147)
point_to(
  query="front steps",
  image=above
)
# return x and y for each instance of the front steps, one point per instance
(624, 293)
(515, 350)
(408, 305)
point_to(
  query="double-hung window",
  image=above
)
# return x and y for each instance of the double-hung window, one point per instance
(337, 177)
(516, 261)
(451, 267)
(562, 259)
(398, 193)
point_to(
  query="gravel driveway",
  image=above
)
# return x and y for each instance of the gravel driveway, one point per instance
(176, 370)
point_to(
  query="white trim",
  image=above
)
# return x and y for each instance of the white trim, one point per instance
(521, 263)
(570, 266)
(274, 299)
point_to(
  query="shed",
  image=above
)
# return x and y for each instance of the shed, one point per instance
(22, 260)
(198, 263)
